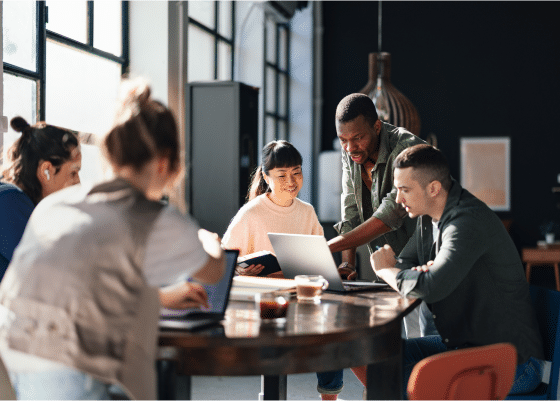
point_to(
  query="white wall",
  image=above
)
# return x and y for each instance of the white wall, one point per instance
(301, 96)
(249, 49)
(148, 31)
(149, 57)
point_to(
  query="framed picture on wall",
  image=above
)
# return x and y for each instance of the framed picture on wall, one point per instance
(485, 170)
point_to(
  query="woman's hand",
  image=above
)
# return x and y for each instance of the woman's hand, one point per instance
(183, 295)
(211, 243)
(251, 270)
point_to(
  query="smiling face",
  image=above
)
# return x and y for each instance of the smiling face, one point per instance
(359, 139)
(414, 198)
(284, 183)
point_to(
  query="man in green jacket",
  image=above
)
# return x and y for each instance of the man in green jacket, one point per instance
(370, 214)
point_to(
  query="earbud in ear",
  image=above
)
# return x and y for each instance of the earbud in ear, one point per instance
(47, 174)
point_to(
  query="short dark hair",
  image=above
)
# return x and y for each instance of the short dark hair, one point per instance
(354, 105)
(37, 143)
(431, 161)
(275, 154)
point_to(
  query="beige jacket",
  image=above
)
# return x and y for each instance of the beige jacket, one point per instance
(76, 287)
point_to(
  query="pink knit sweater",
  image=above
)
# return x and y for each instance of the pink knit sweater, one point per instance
(248, 229)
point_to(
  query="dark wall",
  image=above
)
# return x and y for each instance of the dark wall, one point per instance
(471, 69)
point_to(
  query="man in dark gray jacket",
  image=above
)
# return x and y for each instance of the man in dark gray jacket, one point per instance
(462, 262)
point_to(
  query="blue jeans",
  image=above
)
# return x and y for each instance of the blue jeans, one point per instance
(527, 376)
(329, 382)
(60, 384)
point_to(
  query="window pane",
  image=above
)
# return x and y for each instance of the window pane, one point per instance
(270, 90)
(82, 89)
(203, 12)
(283, 49)
(200, 55)
(94, 169)
(282, 85)
(68, 18)
(20, 99)
(271, 41)
(20, 33)
(224, 14)
(224, 61)
(107, 26)
(282, 130)
(270, 133)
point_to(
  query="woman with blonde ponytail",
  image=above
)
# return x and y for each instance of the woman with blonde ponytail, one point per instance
(272, 205)
(80, 301)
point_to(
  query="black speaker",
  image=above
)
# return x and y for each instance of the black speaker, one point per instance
(222, 141)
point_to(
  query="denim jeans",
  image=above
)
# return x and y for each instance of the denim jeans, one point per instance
(329, 382)
(60, 384)
(527, 376)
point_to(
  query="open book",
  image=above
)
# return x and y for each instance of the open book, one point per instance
(245, 287)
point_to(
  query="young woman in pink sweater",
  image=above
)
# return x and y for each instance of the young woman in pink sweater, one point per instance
(272, 205)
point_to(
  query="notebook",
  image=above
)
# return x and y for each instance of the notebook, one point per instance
(218, 296)
(310, 254)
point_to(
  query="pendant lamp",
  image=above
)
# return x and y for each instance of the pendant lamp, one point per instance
(392, 106)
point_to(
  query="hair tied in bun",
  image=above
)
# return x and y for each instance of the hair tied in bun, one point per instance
(19, 124)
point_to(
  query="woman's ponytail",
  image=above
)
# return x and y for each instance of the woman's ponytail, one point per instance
(258, 184)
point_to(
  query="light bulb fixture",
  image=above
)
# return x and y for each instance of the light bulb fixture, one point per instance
(392, 106)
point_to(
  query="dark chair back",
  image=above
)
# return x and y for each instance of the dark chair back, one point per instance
(547, 308)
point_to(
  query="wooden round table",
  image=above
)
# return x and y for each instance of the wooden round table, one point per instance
(340, 332)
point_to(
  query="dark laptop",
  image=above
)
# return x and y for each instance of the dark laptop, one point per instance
(310, 254)
(218, 297)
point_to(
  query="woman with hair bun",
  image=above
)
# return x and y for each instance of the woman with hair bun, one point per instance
(80, 301)
(272, 205)
(42, 161)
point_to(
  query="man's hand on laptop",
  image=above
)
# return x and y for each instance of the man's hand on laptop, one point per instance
(347, 271)
(183, 295)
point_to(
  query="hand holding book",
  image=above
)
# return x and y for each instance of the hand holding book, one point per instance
(260, 263)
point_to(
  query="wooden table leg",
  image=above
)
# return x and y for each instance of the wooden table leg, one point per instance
(528, 272)
(166, 380)
(385, 378)
(274, 387)
(557, 276)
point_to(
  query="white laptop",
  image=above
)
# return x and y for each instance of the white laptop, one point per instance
(310, 254)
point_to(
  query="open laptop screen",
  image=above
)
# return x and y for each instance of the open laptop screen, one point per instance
(218, 293)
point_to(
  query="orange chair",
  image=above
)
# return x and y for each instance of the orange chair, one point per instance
(477, 373)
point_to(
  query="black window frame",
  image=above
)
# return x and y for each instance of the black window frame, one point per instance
(217, 36)
(278, 71)
(43, 34)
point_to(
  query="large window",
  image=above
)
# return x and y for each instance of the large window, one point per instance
(63, 61)
(277, 79)
(210, 40)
